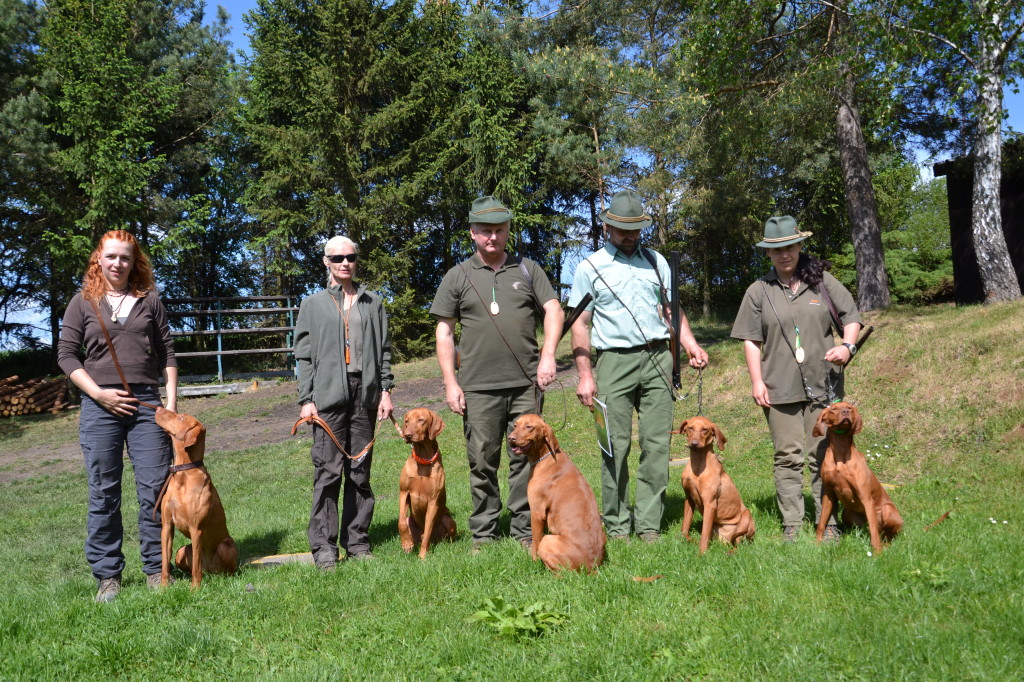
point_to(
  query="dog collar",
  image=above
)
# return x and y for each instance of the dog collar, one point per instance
(420, 460)
(175, 468)
(841, 433)
(542, 458)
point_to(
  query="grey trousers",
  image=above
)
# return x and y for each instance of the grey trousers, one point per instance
(353, 427)
(488, 420)
(103, 436)
(791, 425)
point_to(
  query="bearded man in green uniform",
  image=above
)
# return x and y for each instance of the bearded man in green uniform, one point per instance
(630, 314)
(495, 296)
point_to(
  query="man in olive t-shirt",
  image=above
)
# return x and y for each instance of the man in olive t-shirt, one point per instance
(494, 295)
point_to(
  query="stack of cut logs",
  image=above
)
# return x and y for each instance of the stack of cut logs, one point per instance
(32, 396)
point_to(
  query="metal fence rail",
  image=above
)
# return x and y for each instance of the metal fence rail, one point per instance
(203, 311)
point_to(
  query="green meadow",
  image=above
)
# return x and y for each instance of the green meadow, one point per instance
(941, 391)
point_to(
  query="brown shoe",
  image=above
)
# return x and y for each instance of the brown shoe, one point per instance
(478, 545)
(108, 589)
(527, 543)
(831, 534)
(790, 533)
(650, 536)
(153, 581)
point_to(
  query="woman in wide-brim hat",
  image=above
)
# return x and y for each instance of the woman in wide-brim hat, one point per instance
(793, 360)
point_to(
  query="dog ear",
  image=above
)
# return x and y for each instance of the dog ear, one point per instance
(193, 434)
(819, 427)
(858, 423)
(549, 437)
(436, 426)
(721, 438)
(682, 427)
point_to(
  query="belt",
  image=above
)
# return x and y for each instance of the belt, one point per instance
(657, 344)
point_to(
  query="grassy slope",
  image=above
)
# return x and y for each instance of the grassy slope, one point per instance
(941, 391)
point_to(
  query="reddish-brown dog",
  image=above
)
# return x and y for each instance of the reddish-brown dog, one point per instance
(423, 516)
(191, 504)
(561, 501)
(846, 478)
(709, 489)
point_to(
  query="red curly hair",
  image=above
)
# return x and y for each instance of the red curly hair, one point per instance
(140, 281)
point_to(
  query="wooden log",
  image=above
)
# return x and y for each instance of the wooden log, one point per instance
(62, 395)
(9, 380)
(43, 395)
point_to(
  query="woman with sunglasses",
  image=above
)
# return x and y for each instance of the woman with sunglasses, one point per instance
(343, 352)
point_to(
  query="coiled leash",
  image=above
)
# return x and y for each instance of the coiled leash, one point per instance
(316, 420)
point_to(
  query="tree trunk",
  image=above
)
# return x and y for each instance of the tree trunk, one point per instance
(997, 274)
(872, 280)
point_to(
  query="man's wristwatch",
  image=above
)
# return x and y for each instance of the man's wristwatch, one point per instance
(852, 348)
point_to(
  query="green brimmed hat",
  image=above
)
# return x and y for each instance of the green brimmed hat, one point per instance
(489, 210)
(626, 212)
(781, 231)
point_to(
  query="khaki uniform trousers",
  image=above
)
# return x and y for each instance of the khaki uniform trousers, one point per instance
(791, 425)
(486, 425)
(628, 381)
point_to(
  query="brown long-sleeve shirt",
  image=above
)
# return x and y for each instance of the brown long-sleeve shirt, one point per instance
(143, 343)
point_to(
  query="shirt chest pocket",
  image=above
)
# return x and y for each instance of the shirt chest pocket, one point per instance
(609, 287)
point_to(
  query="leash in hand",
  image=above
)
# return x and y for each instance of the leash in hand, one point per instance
(316, 420)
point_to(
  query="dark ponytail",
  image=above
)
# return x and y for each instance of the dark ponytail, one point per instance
(811, 270)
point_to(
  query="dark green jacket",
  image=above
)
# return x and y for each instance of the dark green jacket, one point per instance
(320, 343)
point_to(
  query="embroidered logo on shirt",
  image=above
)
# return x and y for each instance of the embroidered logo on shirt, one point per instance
(814, 301)
(515, 285)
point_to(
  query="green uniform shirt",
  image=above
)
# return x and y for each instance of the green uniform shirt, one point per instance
(805, 309)
(628, 281)
(487, 363)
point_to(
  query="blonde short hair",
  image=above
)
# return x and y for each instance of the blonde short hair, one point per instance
(339, 241)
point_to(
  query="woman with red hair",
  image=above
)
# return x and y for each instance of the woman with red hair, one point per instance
(119, 286)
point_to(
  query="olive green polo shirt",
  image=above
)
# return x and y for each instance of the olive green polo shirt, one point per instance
(487, 363)
(805, 309)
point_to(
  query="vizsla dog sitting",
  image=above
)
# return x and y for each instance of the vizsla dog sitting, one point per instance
(710, 490)
(422, 515)
(561, 501)
(191, 504)
(846, 478)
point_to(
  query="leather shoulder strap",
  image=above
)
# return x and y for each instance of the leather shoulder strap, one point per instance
(113, 355)
(110, 346)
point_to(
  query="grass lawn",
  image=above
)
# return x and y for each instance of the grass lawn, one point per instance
(942, 395)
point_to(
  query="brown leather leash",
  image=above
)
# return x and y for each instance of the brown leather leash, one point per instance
(317, 421)
(113, 356)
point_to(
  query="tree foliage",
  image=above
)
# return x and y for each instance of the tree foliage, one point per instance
(384, 119)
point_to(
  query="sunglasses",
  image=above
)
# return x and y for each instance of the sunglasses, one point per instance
(341, 258)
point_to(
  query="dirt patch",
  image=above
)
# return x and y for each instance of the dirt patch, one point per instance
(234, 422)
